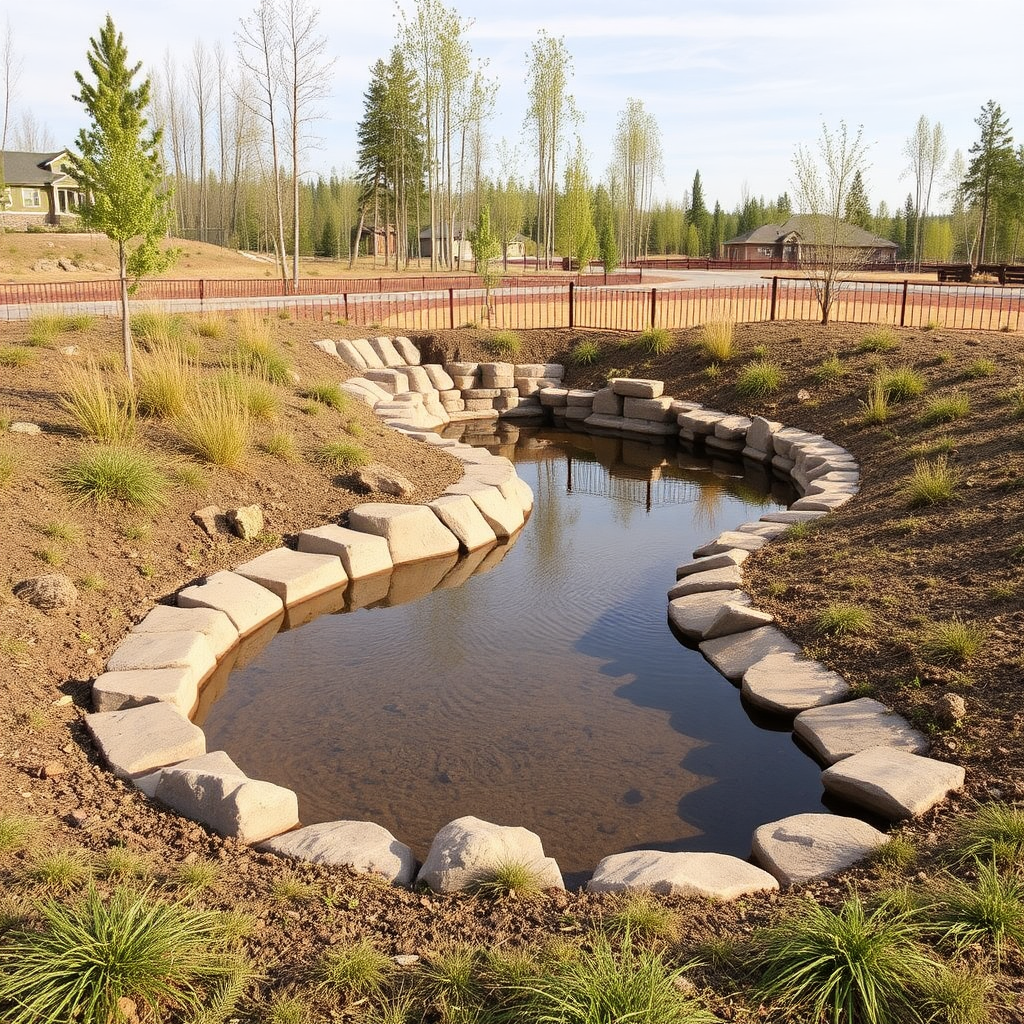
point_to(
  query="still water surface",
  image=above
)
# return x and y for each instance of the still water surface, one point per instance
(545, 691)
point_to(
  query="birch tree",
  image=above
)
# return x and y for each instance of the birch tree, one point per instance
(638, 162)
(10, 71)
(925, 151)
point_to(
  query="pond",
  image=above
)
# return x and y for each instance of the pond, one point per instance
(545, 689)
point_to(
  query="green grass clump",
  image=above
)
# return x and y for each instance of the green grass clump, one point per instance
(847, 966)
(584, 353)
(13, 357)
(879, 339)
(601, 986)
(341, 455)
(86, 957)
(165, 379)
(16, 831)
(1015, 399)
(197, 876)
(897, 852)
(504, 345)
(716, 340)
(210, 325)
(642, 915)
(932, 482)
(47, 327)
(947, 409)
(58, 529)
(216, 427)
(252, 392)
(7, 466)
(64, 869)
(110, 473)
(760, 378)
(256, 352)
(988, 911)
(327, 392)
(356, 970)
(655, 341)
(99, 409)
(875, 409)
(831, 369)
(508, 878)
(952, 641)
(838, 619)
(901, 383)
(980, 368)
(927, 449)
(281, 445)
(124, 865)
(994, 832)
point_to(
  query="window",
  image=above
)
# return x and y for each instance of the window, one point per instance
(766, 250)
(31, 199)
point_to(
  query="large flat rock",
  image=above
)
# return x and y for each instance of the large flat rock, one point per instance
(733, 655)
(637, 387)
(216, 793)
(839, 730)
(413, 532)
(115, 691)
(804, 847)
(246, 604)
(361, 554)
(137, 740)
(893, 783)
(729, 577)
(712, 875)
(188, 649)
(504, 517)
(715, 614)
(294, 576)
(732, 556)
(220, 631)
(787, 683)
(731, 540)
(469, 851)
(459, 514)
(362, 846)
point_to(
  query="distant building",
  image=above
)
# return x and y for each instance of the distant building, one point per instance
(37, 190)
(462, 248)
(796, 242)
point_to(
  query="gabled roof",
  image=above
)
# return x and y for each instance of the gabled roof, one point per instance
(803, 226)
(32, 168)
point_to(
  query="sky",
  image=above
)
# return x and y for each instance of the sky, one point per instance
(734, 85)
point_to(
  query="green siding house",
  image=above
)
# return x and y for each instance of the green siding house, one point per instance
(37, 190)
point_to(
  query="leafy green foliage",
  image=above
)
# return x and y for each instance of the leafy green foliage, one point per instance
(87, 956)
(117, 474)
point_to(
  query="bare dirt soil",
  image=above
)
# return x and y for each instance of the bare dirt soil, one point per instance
(909, 567)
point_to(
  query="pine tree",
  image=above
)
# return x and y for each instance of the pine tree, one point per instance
(698, 216)
(991, 167)
(858, 208)
(118, 166)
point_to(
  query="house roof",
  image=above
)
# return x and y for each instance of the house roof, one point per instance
(803, 226)
(31, 168)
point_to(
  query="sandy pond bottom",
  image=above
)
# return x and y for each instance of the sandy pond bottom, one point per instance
(547, 691)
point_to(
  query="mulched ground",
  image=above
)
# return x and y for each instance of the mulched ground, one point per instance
(909, 567)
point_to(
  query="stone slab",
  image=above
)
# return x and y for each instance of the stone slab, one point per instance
(893, 783)
(362, 846)
(657, 410)
(504, 517)
(115, 691)
(294, 576)
(137, 740)
(624, 424)
(408, 351)
(700, 422)
(732, 428)
(711, 875)
(733, 655)
(731, 540)
(727, 578)
(220, 631)
(351, 354)
(805, 847)
(695, 614)
(215, 792)
(361, 554)
(458, 512)
(787, 684)
(188, 649)
(468, 851)
(607, 403)
(413, 532)
(732, 556)
(838, 731)
(246, 604)
(371, 360)
(391, 380)
(386, 350)
(637, 387)
(789, 517)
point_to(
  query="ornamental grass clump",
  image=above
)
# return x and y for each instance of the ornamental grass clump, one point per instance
(584, 353)
(508, 878)
(953, 641)
(879, 339)
(87, 957)
(341, 455)
(875, 409)
(643, 916)
(100, 408)
(327, 392)
(901, 383)
(932, 482)
(355, 970)
(946, 409)
(716, 340)
(992, 833)
(655, 341)
(838, 619)
(114, 474)
(851, 965)
(831, 369)
(216, 427)
(504, 345)
(760, 378)
(165, 379)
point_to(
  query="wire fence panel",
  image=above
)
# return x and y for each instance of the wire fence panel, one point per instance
(614, 309)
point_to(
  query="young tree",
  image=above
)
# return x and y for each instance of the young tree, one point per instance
(925, 151)
(576, 236)
(698, 216)
(823, 180)
(637, 156)
(857, 210)
(991, 168)
(486, 247)
(117, 164)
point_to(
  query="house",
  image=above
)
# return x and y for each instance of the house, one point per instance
(37, 190)
(797, 239)
(463, 248)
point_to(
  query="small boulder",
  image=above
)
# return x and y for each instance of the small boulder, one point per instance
(53, 590)
(25, 428)
(245, 522)
(382, 479)
(213, 521)
(950, 710)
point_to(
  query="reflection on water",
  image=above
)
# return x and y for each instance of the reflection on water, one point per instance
(534, 684)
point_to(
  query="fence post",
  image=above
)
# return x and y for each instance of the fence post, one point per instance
(451, 308)
(202, 292)
(344, 299)
(654, 305)
(903, 304)
(775, 295)
(572, 305)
